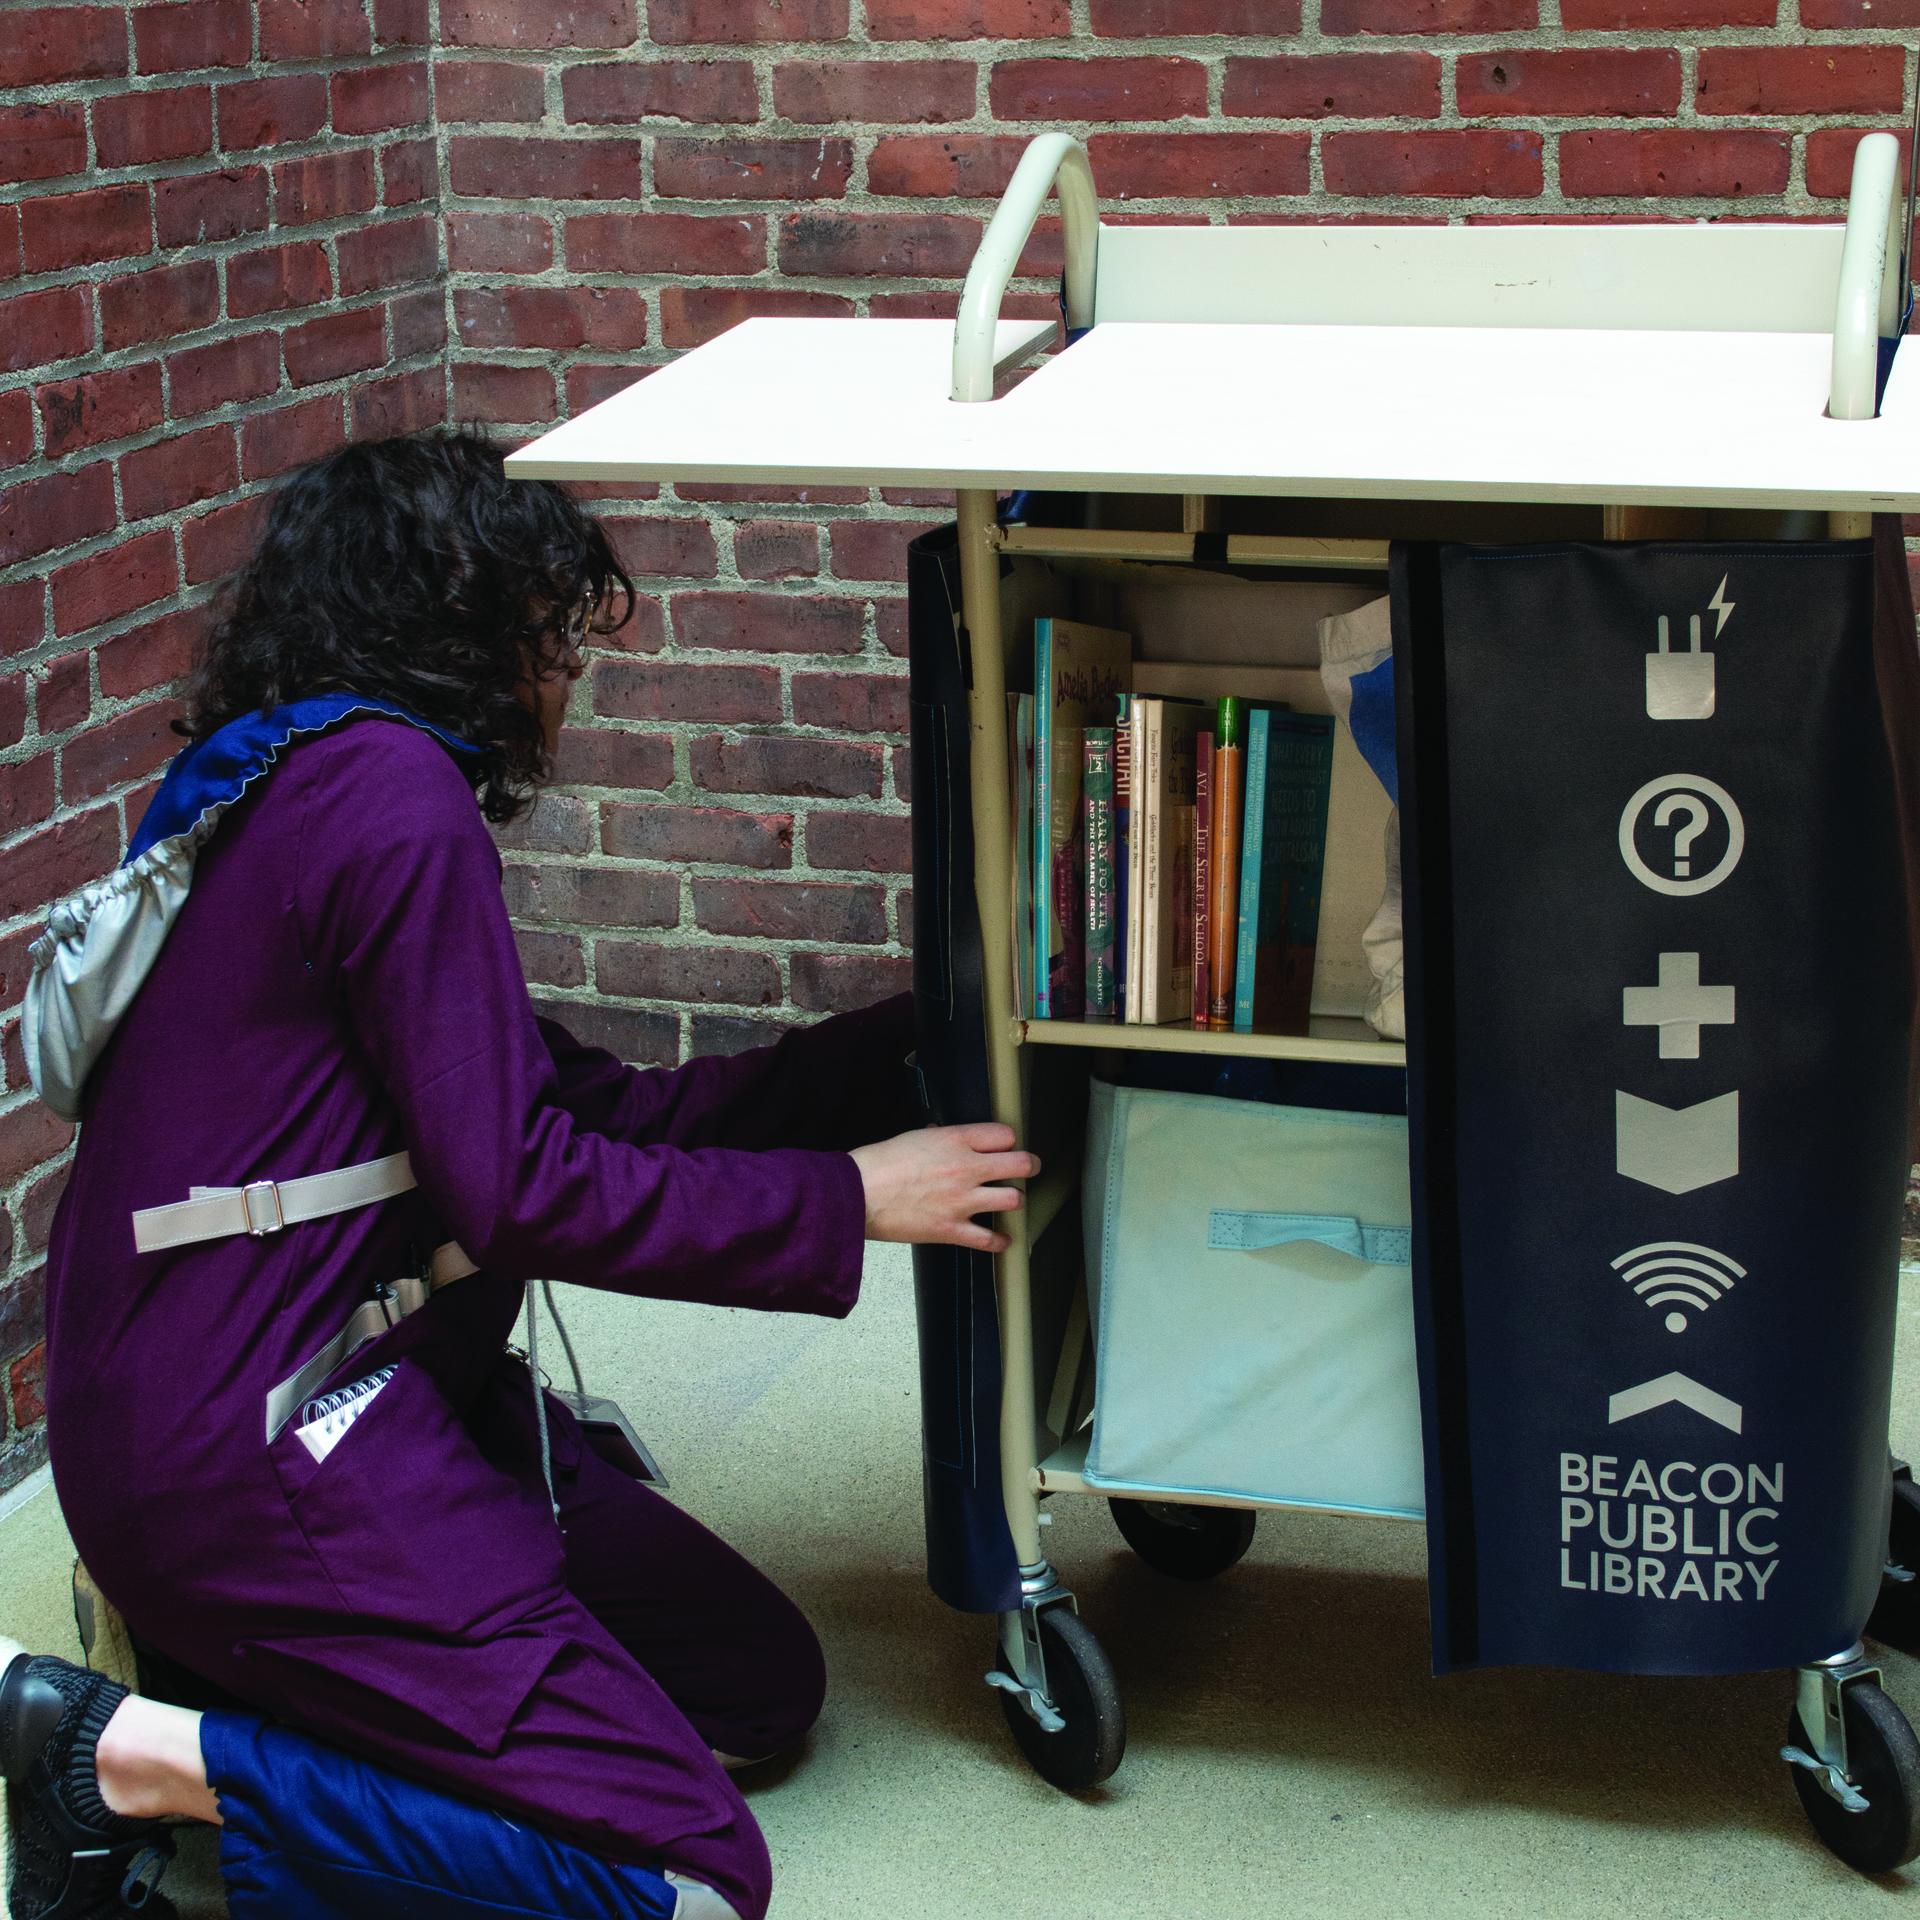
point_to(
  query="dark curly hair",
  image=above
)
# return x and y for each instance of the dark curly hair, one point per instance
(414, 570)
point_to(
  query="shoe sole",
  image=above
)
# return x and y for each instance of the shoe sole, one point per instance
(10, 1651)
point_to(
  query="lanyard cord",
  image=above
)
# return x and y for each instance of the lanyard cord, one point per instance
(539, 1394)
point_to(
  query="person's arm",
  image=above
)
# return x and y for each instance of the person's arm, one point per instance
(399, 894)
(838, 1084)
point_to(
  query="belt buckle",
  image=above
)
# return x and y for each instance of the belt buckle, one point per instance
(258, 1227)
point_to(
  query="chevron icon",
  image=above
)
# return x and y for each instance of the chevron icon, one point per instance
(1673, 1389)
(1677, 1149)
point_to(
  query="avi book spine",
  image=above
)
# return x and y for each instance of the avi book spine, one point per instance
(1202, 869)
(1096, 790)
(1252, 838)
(1293, 844)
(1229, 778)
(1043, 945)
(1122, 840)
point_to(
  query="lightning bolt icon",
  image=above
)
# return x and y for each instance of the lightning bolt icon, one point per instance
(1721, 605)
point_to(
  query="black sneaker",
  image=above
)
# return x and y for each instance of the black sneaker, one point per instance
(64, 1854)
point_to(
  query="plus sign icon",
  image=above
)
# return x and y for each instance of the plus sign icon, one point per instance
(1678, 1007)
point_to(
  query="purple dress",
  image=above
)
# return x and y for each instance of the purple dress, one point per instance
(342, 984)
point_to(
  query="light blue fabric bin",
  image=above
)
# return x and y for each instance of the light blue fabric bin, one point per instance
(1249, 1278)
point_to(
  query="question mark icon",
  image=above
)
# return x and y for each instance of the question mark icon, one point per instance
(1684, 837)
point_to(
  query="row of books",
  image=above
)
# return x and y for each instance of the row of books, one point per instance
(1170, 850)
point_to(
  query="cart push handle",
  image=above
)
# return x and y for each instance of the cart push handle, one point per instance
(1052, 162)
(1871, 302)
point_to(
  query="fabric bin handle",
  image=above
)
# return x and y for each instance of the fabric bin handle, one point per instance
(1238, 1231)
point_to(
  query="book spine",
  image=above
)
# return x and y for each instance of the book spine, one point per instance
(1042, 816)
(1253, 860)
(1096, 790)
(1152, 815)
(1020, 779)
(1202, 871)
(1122, 843)
(1229, 775)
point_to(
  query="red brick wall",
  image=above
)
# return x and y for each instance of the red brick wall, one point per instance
(222, 224)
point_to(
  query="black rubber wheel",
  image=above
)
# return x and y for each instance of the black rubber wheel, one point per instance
(1088, 1748)
(1883, 1761)
(1895, 1621)
(1185, 1543)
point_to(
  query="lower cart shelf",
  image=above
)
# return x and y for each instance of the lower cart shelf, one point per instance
(1329, 1037)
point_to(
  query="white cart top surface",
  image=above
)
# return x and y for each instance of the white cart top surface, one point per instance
(1673, 418)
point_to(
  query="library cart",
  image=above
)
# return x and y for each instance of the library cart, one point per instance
(1250, 429)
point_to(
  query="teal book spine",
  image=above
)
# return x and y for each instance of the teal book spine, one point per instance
(1252, 862)
(1096, 791)
(1042, 814)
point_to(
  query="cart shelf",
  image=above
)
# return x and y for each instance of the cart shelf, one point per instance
(1329, 1037)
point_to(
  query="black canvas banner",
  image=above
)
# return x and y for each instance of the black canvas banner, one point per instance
(1659, 1003)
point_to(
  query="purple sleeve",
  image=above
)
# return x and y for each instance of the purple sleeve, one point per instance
(399, 895)
(837, 1084)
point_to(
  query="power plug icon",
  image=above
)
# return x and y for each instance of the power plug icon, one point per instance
(1680, 685)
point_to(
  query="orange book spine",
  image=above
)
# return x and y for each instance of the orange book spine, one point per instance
(1229, 789)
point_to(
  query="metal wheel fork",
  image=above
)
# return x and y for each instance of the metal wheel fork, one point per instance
(1024, 1672)
(1818, 1701)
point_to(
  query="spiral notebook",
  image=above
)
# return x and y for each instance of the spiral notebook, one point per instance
(324, 1422)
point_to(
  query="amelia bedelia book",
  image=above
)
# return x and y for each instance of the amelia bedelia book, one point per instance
(1079, 672)
(1284, 844)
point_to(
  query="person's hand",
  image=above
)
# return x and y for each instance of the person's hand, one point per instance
(926, 1186)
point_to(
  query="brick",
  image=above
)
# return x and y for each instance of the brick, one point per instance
(271, 443)
(218, 542)
(1601, 16)
(419, 322)
(409, 172)
(16, 427)
(120, 750)
(63, 697)
(662, 690)
(499, 242)
(491, 90)
(851, 702)
(696, 91)
(965, 166)
(197, 209)
(13, 705)
(313, 29)
(26, 794)
(831, 243)
(789, 909)
(1600, 162)
(42, 143)
(199, 33)
(844, 982)
(544, 25)
(490, 166)
(776, 549)
(1147, 87)
(159, 304)
(629, 1033)
(866, 842)
(878, 92)
(1428, 16)
(767, 763)
(768, 623)
(973, 19)
(554, 317)
(727, 493)
(36, 329)
(105, 405)
(271, 112)
(403, 23)
(1360, 86)
(391, 253)
(380, 99)
(137, 129)
(690, 315)
(1140, 19)
(274, 279)
(703, 22)
(1800, 79)
(1830, 152)
(151, 655)
(874, 549)
(10, 267)
(133, 574)
(57, 510)
(335, 345)
(748, 169)
(34, 872)
(73, 229)
(401, 403)
(179, 471)
(27, 1388)
(1505, 163)
(721, 836)
(689, 243)
(223, 372)
(36, 1214)
(322, 186)
(567, 895)
(551, 959)
(721, 1034)
(644, 630)
(46, 45)
(496, 395)
(599, 758)
(1199, 165)
(700, 972)
(664, 546)
(1583, 81)
(557, 823)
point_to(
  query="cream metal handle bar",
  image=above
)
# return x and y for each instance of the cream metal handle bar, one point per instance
(1870, 299)
(1053, 161)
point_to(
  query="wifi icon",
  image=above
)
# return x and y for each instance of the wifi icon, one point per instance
(1679, 1274)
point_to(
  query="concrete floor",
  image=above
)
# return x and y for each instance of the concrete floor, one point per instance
(1289, 1754)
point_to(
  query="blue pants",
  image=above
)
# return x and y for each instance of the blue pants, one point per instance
(313, 1834)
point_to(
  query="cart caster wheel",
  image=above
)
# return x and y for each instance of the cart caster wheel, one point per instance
(1895, 1621)
(1883, 1761)
(1079, 1677)
(1185, 1543)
